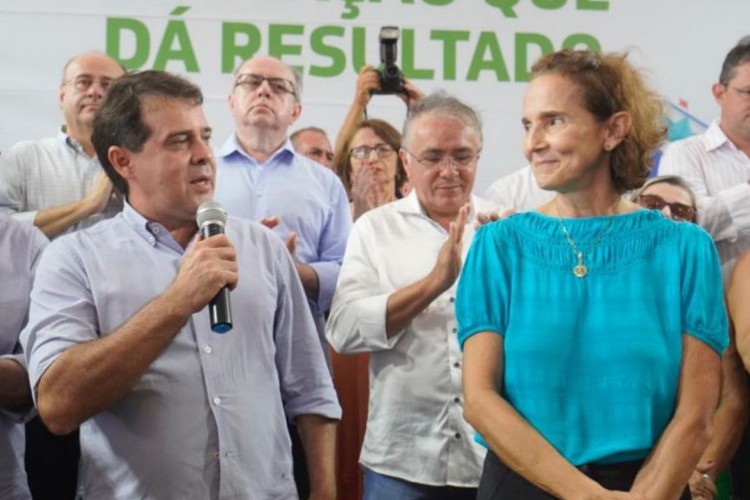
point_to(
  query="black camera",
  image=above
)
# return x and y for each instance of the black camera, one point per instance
(391, 77)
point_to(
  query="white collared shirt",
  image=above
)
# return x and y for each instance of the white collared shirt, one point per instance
(37, 175)
(415, 428)
(718, 172)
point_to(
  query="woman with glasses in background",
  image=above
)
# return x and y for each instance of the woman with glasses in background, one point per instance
(369, 166)
(671, 195)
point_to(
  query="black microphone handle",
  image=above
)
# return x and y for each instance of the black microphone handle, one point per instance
(219, 309)
(221, 312)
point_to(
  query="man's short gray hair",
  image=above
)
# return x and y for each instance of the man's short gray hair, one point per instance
(442, 103)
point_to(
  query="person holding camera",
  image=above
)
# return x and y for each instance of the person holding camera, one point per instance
(369, 82)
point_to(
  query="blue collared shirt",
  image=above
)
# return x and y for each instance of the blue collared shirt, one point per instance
(310, 200)
(207, 420)
(20, 247)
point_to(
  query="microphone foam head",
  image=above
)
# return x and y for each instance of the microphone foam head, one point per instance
(211, 212)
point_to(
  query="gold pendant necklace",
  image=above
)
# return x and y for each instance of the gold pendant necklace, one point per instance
(580, 270)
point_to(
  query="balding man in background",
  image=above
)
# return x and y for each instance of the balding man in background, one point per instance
(57, 183)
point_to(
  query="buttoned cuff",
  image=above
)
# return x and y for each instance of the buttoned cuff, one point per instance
(26, 217)
(362, 327)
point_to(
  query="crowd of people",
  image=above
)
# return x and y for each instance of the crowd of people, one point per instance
(581, 332)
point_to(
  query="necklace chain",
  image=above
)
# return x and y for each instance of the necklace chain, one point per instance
(580, 270)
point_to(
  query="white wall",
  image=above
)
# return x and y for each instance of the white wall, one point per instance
(680, 43)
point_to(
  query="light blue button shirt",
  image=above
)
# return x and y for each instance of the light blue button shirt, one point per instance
(207, 419)
(310, 200)
(20, 247)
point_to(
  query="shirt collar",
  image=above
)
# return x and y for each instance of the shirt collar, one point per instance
(410, 205)
(232, 147)
(152, 232)
(62, 136)
(715, 138)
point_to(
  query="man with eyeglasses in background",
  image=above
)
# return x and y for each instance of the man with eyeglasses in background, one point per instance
(716, 166)
(395, 300)
(58, 185)
(313, 142)
(261, 177)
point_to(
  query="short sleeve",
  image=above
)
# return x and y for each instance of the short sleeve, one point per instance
(703, 310)
(482, 300)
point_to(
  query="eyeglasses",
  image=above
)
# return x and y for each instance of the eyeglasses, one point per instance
(679, 211)
(83, 82)
(463, 160)
(251, 82)
(363, 152)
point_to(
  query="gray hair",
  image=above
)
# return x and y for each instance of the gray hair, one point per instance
(442, 103)
(296, 71)
(301, 131)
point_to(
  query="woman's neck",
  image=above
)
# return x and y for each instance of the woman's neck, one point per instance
(588, 204)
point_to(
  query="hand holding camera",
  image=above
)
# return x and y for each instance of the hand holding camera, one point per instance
(391, 77)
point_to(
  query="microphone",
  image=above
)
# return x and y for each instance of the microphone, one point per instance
(211, 218)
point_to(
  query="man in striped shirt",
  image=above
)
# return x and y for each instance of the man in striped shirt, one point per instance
(716, 164)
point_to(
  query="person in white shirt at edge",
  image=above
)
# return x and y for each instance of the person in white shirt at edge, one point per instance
(395, 299)
(716, 164)
(519, 191)
(57, 183)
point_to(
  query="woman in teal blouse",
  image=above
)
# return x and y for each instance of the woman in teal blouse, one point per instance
(592, 329)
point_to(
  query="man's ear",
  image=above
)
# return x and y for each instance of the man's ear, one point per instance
(61, 95)
(296, 112)
(406, 162)
(122, 161)
(718, 90)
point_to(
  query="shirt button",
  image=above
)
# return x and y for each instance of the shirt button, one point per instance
(216, 455)
(155, 230)
(456, 365)
(217, 400)
(152, 240)
(456, 400)
(455, 329)
(452, 299)
(208, 349)
(457, 435)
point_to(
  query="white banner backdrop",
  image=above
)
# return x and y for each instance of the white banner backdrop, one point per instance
(479, 50)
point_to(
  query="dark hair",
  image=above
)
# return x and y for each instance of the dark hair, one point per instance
(441, 102)
(342, 161)
(674, 180)
(119, 120)
(740, 54)
(609, 84)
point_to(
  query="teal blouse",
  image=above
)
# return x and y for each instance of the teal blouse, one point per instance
(593, 363)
